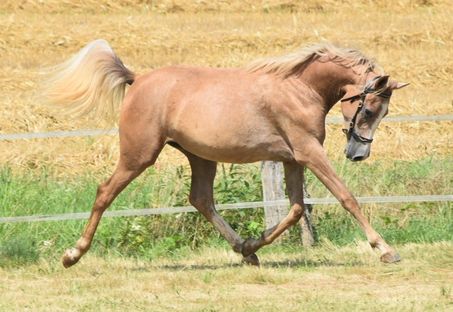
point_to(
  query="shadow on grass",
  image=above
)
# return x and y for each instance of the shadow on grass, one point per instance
(294, 264)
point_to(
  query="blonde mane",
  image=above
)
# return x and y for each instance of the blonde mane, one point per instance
(291, 63)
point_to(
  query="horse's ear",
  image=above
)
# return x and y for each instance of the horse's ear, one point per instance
(394, 85)
(381, 82)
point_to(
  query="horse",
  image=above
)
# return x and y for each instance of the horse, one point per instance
(272, 109)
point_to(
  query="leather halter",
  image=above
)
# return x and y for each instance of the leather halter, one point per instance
(361, 97)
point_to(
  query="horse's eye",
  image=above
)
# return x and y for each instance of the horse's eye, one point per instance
(368, 113)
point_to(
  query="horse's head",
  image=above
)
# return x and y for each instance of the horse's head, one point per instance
(363, 108)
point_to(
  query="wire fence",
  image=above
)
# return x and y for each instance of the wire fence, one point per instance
(247, 205)
(170, 210)
(96, 132)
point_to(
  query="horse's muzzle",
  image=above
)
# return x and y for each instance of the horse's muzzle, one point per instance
(357, 150)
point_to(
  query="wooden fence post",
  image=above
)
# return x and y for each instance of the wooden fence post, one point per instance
(272, 180)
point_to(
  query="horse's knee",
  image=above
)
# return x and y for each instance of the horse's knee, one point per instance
(348, 202)
(101, 188)
(102, 197)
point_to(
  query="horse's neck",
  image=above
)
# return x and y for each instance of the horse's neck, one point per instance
(328, 79)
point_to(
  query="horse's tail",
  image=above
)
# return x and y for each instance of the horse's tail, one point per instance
(92, 80)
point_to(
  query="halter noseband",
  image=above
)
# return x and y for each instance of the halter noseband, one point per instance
(361, 96)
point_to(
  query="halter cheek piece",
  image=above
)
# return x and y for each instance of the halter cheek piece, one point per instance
(361, 97)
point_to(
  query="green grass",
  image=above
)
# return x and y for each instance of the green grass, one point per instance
(173, 235)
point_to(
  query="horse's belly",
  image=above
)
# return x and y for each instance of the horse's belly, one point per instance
(232, 151)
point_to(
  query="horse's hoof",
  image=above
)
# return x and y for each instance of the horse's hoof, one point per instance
(390, 257)
(70, 257)
(251, 260)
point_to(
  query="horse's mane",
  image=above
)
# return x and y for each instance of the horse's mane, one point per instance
(291, 63)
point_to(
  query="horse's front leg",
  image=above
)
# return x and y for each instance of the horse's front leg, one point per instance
(294, 185)
(315, 158)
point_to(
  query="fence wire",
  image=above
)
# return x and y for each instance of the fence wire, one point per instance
(114, 131)
(247, 205)
(169, 210)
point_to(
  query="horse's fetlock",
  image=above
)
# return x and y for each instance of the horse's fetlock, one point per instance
(237, 247)
(83, 245)
(377, 242)
(249, 246)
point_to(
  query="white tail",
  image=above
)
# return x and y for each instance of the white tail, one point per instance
(93, 80)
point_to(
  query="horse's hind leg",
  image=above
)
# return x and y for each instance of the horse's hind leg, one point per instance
(201, 197)
(294, 185)
(133, 160)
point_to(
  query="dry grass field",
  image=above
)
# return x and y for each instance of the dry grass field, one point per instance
(411, 39)
(323, 279)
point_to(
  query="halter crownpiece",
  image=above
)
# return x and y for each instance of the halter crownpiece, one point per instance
(368, 89)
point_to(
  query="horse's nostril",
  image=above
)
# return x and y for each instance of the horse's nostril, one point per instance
(358, 158)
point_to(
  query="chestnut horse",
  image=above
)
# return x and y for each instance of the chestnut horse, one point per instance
(274, 109)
